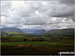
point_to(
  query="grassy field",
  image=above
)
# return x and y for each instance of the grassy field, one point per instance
(31, 48)
(36, 45)
(15, 33)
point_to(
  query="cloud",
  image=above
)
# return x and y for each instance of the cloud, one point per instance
(37, 14)
(69, 2)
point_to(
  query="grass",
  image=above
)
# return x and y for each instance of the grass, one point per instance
(15, 45)
(37, 43)
(34, 48)
(15, 33)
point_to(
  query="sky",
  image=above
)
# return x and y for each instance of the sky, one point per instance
(49, 14)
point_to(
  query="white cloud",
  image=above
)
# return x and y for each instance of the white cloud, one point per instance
(36, 14)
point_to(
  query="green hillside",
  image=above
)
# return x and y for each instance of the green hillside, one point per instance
(11, 29)
(3, 33)
(61, 32)
(15, 33)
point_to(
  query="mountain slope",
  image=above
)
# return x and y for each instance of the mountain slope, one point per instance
(33, 31)
(68, 31)
(11, 29)
(3, 33)
(28, 30)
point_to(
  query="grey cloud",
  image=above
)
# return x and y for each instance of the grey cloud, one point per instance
(73, 18)
(69, 2)
(71, 5)
(25, 15)
(5, 6)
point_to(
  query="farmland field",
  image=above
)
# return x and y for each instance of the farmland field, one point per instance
(35, 47)
(32, 44)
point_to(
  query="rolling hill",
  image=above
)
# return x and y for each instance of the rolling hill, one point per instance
(68, 31)
(11, 29)
(3, 33)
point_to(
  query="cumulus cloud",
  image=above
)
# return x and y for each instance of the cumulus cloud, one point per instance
(37, 14)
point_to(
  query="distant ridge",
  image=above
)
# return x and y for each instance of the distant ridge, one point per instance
(3, 33)
(11, 29)
(34, 31)
(67, 31)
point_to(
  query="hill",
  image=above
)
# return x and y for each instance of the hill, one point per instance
(11, 29)
(3, 33)
(68, 31)
(34, 31)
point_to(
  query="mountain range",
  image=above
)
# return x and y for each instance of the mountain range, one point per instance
(11, 29)
(34, 31)
(67, 31)
(3, 33)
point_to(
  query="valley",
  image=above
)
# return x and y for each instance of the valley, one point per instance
(45, 43)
